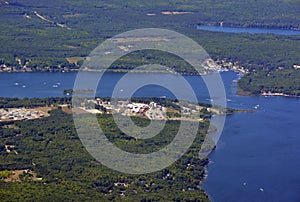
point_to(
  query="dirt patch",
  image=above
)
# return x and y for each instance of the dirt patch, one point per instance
(139, 39)
(75, 60)
(24, 113)
(66, 109)
(44, 110)
(78, 110)
(19, 175)
(12, 126)
(175, 12)
(72, 47)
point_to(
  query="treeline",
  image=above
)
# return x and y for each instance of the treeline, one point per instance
(32, 102)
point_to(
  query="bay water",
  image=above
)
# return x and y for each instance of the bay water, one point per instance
(258, 155)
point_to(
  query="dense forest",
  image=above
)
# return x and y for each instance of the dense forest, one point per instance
(51, 148)
(58, 35)
(33, 102)
(42, 45)
(285, 82)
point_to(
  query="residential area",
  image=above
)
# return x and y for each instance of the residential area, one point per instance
(125, 108)
(14, 114)
(150, 110)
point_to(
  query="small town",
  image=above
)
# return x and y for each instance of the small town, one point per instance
(14, 114)
(125, 108)
(152, 110)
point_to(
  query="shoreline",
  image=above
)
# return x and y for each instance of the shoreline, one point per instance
(240, 91)
(279, 94)
(101, 71)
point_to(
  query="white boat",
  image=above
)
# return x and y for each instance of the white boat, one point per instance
(55, 86)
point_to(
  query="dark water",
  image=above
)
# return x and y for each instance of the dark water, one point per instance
(258, 155)
(249, 30)
(257, 151)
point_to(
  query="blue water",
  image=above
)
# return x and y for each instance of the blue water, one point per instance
(256, 150)
(260, 150)
(52, 85)
(248, 30)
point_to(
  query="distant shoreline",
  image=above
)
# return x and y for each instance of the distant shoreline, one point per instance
(279, 94)
(246, 93)
(239, 90)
